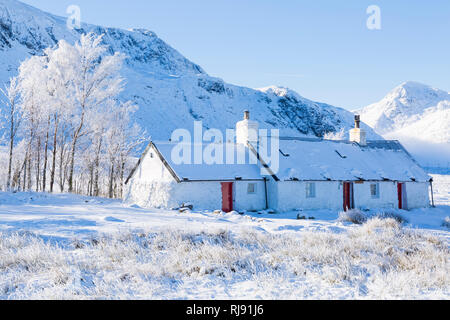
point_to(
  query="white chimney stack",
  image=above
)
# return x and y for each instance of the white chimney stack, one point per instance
(357, 134)
(247, 130)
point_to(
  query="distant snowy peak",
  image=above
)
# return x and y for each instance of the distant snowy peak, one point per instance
(405, 105)
(279, 91)
(410, 89)
(414, 98)
(419, 117)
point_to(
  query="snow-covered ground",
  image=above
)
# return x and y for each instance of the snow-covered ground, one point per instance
(441, 187)
(73, 247)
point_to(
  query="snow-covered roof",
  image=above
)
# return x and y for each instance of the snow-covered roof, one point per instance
(315, 159)
(306, 159)
(214, 171)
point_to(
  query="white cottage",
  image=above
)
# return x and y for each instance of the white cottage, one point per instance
(312, 174)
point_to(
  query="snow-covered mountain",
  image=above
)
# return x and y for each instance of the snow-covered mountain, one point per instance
(413, 109)
(416, 114)
(170, 90)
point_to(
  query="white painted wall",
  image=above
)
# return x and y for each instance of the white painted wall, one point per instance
(249, 202)
(272, 190)
(203, 195)
(152, 169)
(208, 195)
(154, 194)
(417, 194)
(152, 185)
(388, 195)
(291, 195)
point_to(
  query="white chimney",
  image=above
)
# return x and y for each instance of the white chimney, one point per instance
(357, 134)
(247, 130)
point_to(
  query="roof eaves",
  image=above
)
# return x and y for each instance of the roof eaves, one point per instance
(138, 163)
(166, 164)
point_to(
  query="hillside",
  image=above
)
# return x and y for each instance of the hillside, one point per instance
(170, 90)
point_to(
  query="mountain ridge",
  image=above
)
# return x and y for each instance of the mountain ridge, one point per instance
(407, 105)
(170, 90)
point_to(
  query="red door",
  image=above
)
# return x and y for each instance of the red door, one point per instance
(400, 196)
(348, 196)
(227, 196)
(401, 191)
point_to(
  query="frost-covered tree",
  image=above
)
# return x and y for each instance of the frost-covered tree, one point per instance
(120, 140)
(338, 135)
(33, 108)
(74, 130)
(92, 79)
(12, 119)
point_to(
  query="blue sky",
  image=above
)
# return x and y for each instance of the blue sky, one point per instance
(322, 48)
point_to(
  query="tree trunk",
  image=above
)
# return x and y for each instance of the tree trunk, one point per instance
(122, 172)
(11, 147)
(111, 178)
(24, 184)
(62, 169)
(29, 172)
(91, 180)
(72, 164)
(53, 170)
(72, 152)
(44, 171)
(38, 164)
(16, 179)
(97, 168)
(23, 168)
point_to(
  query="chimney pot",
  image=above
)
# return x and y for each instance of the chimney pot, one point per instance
(357, 134)
(357, 121)
(246, 115)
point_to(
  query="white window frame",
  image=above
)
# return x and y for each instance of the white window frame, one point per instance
(310, 190)
(377, 190)
(254, 188)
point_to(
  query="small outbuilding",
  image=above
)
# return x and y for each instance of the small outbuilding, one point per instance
(311, 174)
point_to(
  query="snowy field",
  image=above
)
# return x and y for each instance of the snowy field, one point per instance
(73, 247)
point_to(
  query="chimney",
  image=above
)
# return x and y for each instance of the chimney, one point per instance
(357, 134)
(247, 130)
(357, 121)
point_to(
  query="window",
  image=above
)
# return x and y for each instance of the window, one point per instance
(375, 190)
(151, 154)
(251, 188)
(310, 190)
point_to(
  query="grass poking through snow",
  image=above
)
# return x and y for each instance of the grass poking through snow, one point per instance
(378, 259)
